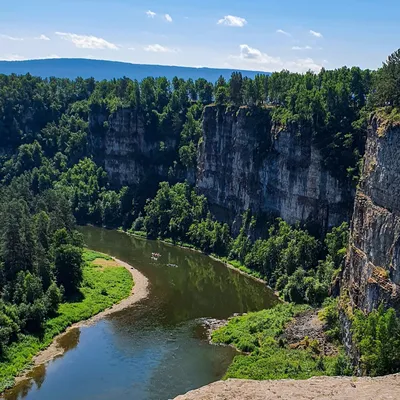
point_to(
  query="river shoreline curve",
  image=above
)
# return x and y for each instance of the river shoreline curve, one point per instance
(213, 257)
(139, 292)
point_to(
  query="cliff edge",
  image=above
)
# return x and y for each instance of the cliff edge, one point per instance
(321, 388)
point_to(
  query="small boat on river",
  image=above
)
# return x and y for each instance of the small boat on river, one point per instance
(155, 256)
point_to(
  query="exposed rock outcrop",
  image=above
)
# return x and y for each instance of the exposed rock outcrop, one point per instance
(128, 152)
(246, 162)
(318, 388)
(372, 273)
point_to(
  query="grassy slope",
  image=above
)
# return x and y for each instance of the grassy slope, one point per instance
(101, 288)
(258, 334)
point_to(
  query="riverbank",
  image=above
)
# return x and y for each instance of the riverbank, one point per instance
(139, 292)
(317, 388)
(111, 285)
(287, 341)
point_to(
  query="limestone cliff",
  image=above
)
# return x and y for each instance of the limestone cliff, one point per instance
(130, 154)
(246, 162)
(372, 273)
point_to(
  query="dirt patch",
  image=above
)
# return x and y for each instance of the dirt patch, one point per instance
(56, 349)
(103, 263)
(321, 388)
(306, 328)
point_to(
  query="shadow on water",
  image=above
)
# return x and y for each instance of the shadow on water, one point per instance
(156, 349)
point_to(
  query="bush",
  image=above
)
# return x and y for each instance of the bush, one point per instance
(269, 357)
(377, 336)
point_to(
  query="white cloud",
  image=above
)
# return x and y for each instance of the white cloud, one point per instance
(255, 55)
(151, 14)
(17, 57)
(131, 48)
(231, 20)
(283, 32)
(12, 57)
(42, 37)
(252, 58)
(17, 39)
(20, 39)
(168, 18)
(303, 65)
(87, 42)
(316, 34)
(301, 48)
(157, 48)
(51, 56)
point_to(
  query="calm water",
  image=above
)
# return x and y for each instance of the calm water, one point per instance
(156, 349)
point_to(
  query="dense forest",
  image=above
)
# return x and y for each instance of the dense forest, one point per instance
(49, 178)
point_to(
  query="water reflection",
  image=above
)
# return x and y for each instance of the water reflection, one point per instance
(37, 376)
(155, 349)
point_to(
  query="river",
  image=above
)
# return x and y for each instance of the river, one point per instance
(157, 348)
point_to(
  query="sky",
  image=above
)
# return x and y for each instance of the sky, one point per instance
(262, 35)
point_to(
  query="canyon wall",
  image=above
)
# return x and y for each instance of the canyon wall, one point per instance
(246, 162)
(372, 273)
(129, 153)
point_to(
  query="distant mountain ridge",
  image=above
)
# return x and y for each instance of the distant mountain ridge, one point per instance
(101, 69)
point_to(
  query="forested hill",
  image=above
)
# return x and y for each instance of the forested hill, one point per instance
(56, 133)
(72, 68)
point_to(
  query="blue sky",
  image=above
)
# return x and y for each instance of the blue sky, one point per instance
(265, 35)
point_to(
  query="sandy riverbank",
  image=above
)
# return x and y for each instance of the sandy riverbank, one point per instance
(317, 388)
(139, 292)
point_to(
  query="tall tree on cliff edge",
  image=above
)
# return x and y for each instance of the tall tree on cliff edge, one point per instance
(388, 82)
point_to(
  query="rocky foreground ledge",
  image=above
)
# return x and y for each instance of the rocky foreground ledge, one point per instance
(319, 388)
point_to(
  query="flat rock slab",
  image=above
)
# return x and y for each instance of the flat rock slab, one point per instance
(318, 388)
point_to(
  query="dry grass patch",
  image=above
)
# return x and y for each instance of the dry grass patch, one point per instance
(103, 263)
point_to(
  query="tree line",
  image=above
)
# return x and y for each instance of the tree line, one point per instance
(333, 105)
(41, 258)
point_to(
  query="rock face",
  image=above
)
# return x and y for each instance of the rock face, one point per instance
(244, 162)
(372, 273)
(130, 156)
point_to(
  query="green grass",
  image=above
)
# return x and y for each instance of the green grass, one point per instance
(268, 357)
(90, 255)
(138, 233)
(281, 363)
(101, 288)
(238, 265)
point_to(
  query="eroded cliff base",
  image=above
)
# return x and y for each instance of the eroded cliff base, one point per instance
(321, 388)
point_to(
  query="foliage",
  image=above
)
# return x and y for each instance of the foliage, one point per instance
(34, 230)
(387, 82)
(100, 289)
(173, 210)
(68, 267)
(269, 358)
(330, 316)
(377, 337)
